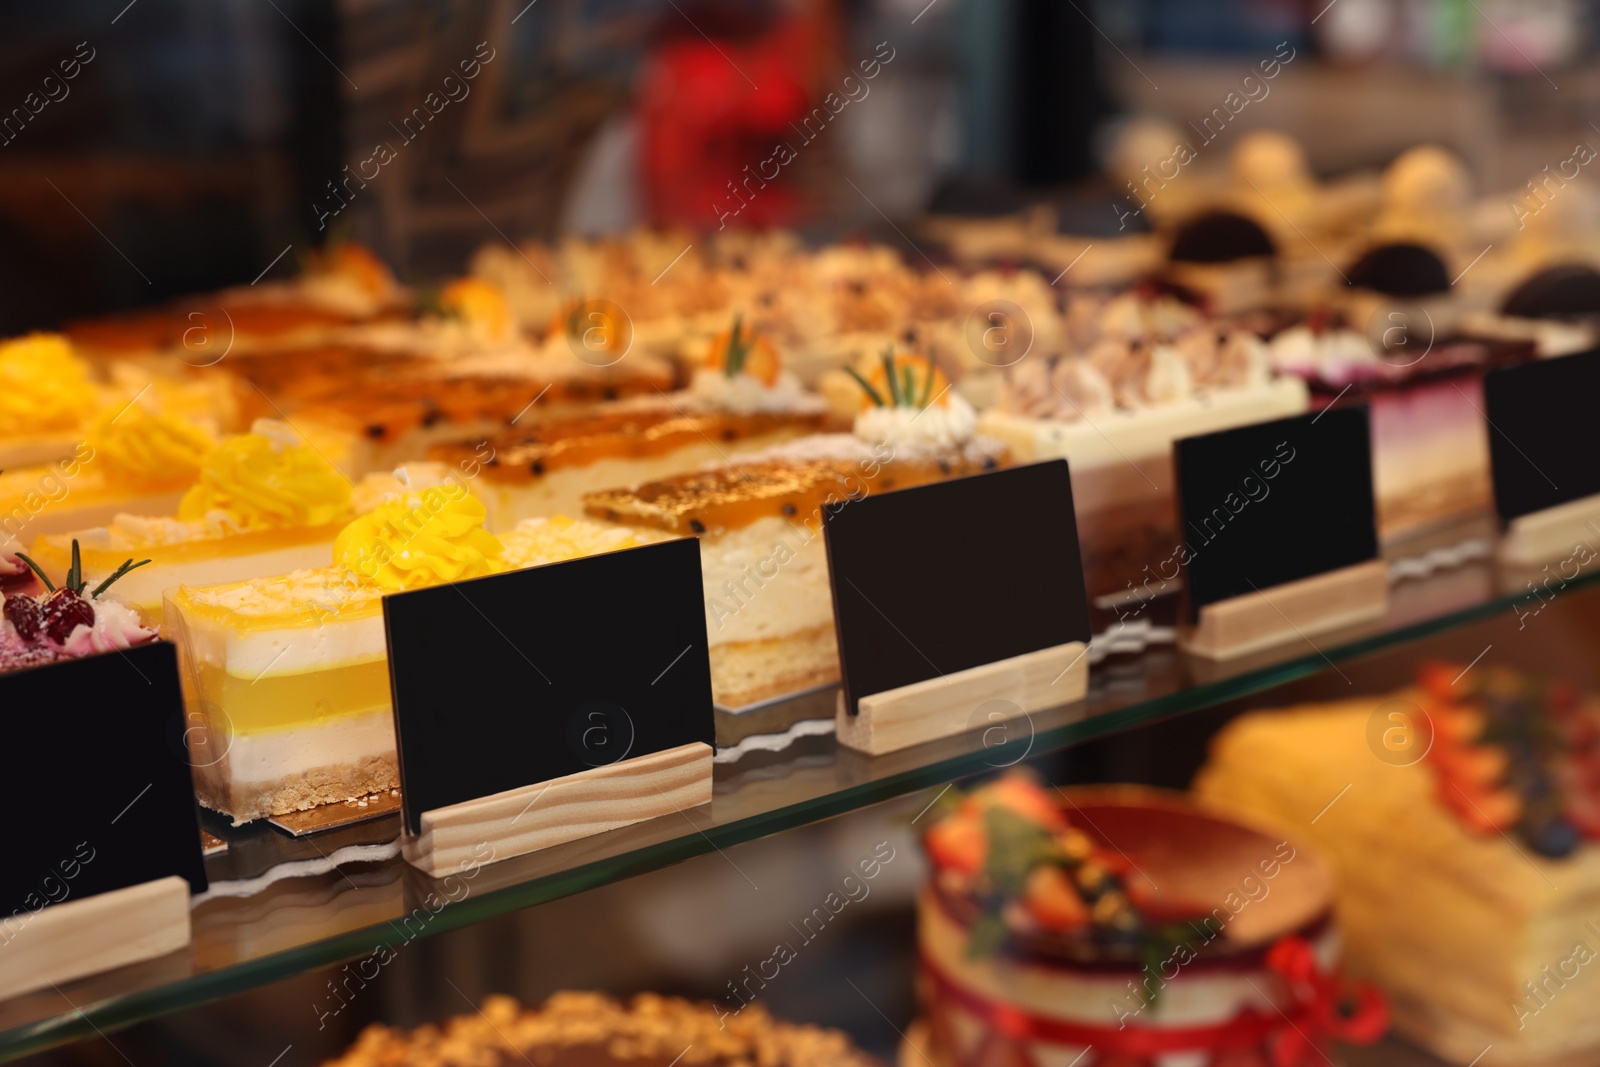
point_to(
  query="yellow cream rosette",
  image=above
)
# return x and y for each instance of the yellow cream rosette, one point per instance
(136, 446)
(425, 537)
(43, 385)
(267, 479)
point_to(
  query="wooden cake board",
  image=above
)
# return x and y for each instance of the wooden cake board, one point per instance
(1550, 535)
(532, 817)
(1289, 612)
(73, 939)
(943, 707)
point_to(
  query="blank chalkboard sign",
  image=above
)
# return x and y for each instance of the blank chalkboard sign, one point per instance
(98, 792)
(944, 577)
(520, 678)
(1538, 415)
(1273, 503)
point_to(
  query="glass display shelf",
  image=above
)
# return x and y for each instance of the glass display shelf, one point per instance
(281, 905)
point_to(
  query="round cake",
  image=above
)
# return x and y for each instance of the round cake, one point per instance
(593, 1030)
(1122, 926)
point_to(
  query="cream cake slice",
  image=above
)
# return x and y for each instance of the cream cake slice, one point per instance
(134, 459)
(1152, 372)
(266, 502)
(1462, 819)
(769, 607)
(289, 675)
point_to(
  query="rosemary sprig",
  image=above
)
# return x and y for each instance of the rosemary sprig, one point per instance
(889, 376)
(933, 368)
(75, 572)
(48, 584)
(738, 349)
(872, 394)
(127, 566)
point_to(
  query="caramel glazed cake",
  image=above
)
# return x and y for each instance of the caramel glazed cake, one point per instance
(591, 1030)
(769, 607)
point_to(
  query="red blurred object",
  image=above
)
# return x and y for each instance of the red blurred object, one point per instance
(711, 111)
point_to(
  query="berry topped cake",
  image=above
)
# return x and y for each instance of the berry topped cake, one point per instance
(66, 621)
(1464, 834)
(1124, 926)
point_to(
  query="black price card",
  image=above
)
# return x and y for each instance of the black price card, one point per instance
(97, 791)
(1538, 414)
(1276, 502)
(949, 576)
(519, 678)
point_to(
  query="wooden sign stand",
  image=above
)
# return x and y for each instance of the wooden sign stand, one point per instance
(1289, 612)
(75, 938)
(943, 707)
(532, 817)
(1546, 536)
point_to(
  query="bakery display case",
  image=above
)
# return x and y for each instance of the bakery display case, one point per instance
(962, 534)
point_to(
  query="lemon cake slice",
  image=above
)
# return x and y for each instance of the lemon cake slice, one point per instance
(266, 502)
(289, 676)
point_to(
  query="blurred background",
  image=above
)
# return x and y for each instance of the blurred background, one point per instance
(160, 147)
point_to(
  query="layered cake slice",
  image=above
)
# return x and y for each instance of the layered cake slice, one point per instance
(266, 502)
(1123, 925)
(1151, 371)
(740, 401)
(289, 674)
(133, 460)
(1463, 817)
(769, 609)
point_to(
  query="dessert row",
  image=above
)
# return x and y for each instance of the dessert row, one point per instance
(257, 468)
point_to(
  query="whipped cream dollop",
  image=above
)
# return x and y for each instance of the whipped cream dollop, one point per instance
(1065, 389)
(742, 394)
(945, 425)
(116, 627)
(1335, 354)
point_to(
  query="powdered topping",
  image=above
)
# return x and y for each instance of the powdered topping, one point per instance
(266, 479)
(949, 425)
(423, 538)
(43, 386)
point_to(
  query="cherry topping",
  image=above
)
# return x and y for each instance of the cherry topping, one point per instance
(24, 613)
(64, 611)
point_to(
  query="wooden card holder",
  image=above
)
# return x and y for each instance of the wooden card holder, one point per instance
(76, 938)
(1289, 612)
(944, 706)
(532, 817)
(1547, 536)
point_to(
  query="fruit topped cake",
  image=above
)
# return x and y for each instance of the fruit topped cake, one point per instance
(741, 399)
(290, 675)
(592, 1030)
(769, 608)
(67, 621)
(1462, 815)
(1127, 926)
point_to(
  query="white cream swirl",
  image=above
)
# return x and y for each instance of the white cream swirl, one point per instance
(116, 627)
(950, 425)
(743, 394)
